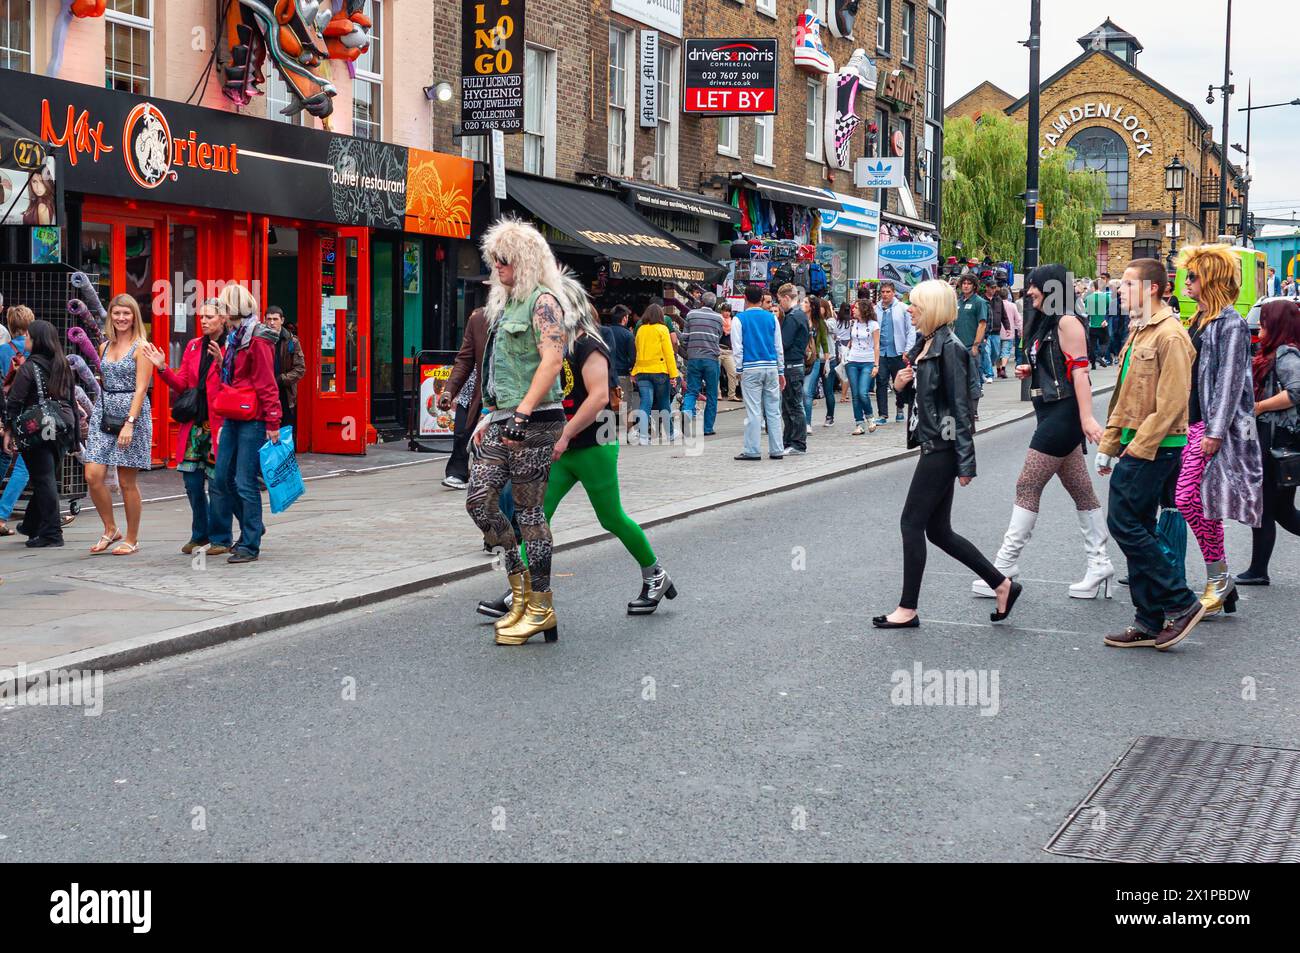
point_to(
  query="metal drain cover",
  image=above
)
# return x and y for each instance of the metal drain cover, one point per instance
(1173, 799)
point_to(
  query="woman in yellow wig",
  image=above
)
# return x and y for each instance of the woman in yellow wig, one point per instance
(1222, 474)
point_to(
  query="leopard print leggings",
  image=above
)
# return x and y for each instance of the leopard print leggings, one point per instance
(1040, 468)
(527, 468)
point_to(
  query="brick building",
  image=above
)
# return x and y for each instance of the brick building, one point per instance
(1124, 123)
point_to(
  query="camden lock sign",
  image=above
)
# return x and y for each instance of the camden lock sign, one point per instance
(1112, 111)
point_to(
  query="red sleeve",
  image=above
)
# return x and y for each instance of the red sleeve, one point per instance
(186, 376)
(263, 381)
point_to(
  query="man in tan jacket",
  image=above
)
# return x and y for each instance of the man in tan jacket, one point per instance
(1146, 431)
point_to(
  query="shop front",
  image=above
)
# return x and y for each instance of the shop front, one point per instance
(619, 255)
(704, 223)
(169, 203)
(852, 235)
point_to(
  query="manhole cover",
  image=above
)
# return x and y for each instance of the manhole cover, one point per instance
(1172, 799)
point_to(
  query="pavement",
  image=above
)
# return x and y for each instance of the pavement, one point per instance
(368, 529)
(756, 717)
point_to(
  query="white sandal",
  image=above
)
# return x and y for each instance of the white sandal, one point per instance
(127, 549)
(104, 542)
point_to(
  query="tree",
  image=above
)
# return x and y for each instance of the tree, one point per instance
(984, 184)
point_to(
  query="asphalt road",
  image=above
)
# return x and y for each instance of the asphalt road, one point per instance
(751, 719)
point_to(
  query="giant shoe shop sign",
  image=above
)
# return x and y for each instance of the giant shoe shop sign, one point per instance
(1113, 112)
(117, 144)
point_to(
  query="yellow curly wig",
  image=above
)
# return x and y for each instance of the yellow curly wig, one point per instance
(1219, 269)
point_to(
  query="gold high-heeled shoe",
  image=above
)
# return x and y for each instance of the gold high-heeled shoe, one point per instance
(1220, 595)
(520, 586)
(539, 617)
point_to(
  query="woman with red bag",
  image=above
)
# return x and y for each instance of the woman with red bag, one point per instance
(248, 402)
(196, 443)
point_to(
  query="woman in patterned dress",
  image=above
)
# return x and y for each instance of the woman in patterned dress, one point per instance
(127, 373)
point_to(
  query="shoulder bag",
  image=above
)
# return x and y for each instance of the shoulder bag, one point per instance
(190, 406)
(32, 428)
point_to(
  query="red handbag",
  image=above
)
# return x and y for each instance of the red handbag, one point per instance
(236, 403)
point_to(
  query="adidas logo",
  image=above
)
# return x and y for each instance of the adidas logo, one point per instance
(878, 169)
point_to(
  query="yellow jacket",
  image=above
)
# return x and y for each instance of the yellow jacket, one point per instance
(654, 351)
(1152, 399)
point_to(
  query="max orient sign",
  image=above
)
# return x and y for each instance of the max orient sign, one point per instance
(119, 145)
(730, 77)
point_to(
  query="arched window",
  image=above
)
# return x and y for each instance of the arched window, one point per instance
(1102, 149)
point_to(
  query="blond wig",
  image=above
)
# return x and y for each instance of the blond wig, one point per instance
(1219, 269)
(519, 244)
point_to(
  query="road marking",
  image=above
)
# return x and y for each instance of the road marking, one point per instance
(1017, 628)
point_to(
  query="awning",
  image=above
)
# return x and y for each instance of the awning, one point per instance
(599, 220)
(686, 203)
(786, 192)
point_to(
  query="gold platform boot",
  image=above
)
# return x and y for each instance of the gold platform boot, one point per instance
(1220, 591)
(539, 617)
(521, 585)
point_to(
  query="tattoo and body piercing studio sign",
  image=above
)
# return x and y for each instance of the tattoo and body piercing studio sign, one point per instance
(491, 66)
(1114, 112)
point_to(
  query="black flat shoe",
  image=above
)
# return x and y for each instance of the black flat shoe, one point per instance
(1016, 589)
(1249, 578)
(882, 622)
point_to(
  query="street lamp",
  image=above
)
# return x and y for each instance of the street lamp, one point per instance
(1175, 172)
(1234, 217)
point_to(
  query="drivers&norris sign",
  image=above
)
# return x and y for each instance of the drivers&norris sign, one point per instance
(730, 77)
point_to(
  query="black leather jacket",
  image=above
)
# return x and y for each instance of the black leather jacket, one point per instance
(941, 395)
(1051, 380)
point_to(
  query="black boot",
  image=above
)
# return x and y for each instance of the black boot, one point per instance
(652, 590)
(496, 608)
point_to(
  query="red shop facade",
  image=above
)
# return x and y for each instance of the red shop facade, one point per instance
(169, 202)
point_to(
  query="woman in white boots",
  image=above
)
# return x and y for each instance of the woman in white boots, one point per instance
(1056, 346)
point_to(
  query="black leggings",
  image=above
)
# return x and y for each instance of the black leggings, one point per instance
(1279, 510)
(928, 514)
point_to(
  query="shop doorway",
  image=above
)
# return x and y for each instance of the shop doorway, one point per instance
(320, 276)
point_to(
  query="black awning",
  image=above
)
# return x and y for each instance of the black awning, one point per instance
(788, 192)
(599, 220)
(686, 203)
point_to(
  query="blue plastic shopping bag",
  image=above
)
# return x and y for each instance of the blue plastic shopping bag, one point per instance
(280, 472)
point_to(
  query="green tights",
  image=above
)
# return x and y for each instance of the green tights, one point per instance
(596, 468)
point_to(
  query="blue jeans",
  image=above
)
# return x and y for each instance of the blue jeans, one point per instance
(196, 488)
(656, 399)
(988, 354)
(860, 382)
(702, 372)
(1158, 589)
(233, 492)
(761, 388)
(14, 488)
(821, 371)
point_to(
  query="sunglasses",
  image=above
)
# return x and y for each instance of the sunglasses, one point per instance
(500, 261)
(1193, 276)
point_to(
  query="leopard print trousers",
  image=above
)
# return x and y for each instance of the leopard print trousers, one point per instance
(1039, 470)
(527, 469)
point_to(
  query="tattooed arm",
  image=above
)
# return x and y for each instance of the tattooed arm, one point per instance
(548, 320)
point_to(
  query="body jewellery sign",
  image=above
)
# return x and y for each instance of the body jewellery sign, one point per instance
(491, 66)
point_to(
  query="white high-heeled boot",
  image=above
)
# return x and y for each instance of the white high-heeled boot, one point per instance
(1008, 557)
(1092, 523)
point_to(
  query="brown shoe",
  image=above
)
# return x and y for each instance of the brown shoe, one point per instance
(1131, 638)
(1180, 627)
(218, 550)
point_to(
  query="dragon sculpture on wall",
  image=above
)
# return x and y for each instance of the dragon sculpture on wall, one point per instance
(298, 36)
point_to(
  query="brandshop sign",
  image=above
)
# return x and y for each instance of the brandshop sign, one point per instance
(730, 77)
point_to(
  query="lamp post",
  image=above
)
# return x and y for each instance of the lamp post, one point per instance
(1175, 172)
(1249, 177)
(1234, 217)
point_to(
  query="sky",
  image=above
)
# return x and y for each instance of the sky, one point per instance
(1183, 51)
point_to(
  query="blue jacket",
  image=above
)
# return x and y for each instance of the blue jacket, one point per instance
(756, 340)
(622, 347)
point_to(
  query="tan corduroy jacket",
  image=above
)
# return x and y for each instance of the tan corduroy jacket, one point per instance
(1152, 399)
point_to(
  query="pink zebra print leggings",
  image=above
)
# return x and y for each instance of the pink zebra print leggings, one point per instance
(1208, 532)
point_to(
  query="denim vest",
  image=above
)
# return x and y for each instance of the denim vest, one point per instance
(515, 358)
